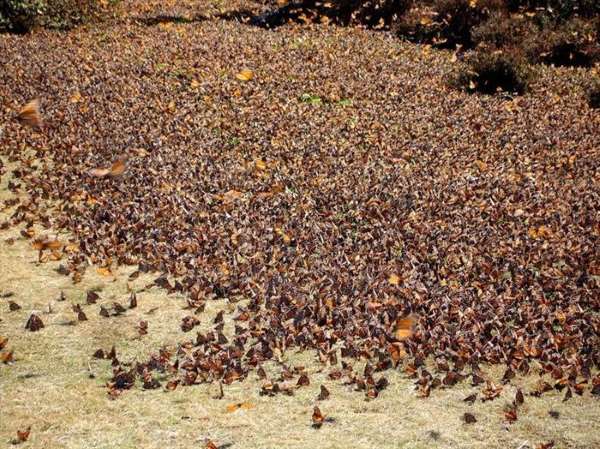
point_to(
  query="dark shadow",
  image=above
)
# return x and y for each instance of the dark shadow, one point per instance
(164, 18)
(242, 16)
(18, 26)
(567, 54)
(594, 98)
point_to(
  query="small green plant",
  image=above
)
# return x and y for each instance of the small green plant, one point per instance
(311, 99)
(234, 141)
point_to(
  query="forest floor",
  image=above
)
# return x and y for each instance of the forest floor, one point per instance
(329, 114)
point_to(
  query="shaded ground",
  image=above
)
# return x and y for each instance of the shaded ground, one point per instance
(345, 170)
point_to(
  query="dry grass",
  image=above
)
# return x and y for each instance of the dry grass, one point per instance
(49, 385)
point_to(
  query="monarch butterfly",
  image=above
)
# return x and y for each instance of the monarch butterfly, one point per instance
(210, 445)
(317, 418)
(23, 435)
(30, 114)
(405, 327)
(116, 169)
(44, 242)
(245, 75)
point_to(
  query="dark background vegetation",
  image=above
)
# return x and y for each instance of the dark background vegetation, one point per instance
(20, 16)
(506, 37)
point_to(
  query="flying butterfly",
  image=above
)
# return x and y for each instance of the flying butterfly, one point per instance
(405, 328)
(44, 242)
(116, 169)
(30, 114)
(245, 75)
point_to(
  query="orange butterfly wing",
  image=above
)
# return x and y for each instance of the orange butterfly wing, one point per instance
(404, 328)
(30, 114)
(117, 168)
(317, 417)
(99, 172)
(23, 435)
